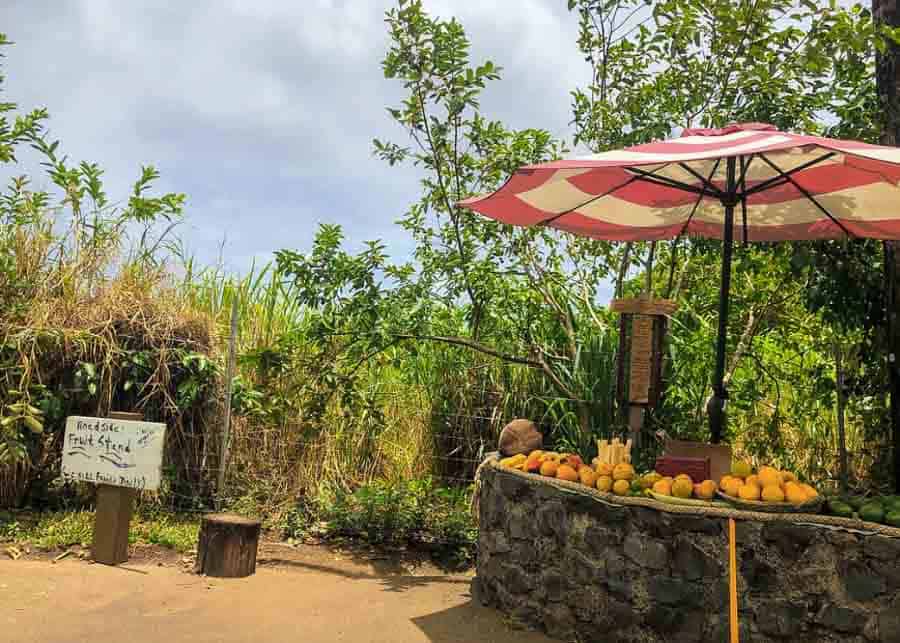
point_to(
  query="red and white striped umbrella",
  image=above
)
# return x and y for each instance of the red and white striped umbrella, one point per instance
(786, 186)
(789, 187)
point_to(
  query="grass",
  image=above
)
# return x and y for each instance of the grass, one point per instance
(61, 529)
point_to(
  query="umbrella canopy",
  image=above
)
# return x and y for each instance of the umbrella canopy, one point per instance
(789, 187)
(784, 187)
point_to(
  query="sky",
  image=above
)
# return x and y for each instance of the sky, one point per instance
(263, 111)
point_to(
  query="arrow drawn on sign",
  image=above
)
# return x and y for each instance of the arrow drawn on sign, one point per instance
(117, 463)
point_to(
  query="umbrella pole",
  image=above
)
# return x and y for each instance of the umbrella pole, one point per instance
(716, 406)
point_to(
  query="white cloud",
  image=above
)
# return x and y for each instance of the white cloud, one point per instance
(263, 111)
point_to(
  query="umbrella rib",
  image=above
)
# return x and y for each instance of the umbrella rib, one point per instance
(745, 165)
(707, 182)
(807, 194)
(699, 199)
(777, 181)
(631, 179)
(650, 177)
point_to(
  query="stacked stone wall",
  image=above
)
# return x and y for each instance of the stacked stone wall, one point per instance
(586, 570)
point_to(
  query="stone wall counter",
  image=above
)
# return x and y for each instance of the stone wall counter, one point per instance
(583, 569)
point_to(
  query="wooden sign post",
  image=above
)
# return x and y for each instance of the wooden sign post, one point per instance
(121, 454)
(647, 321)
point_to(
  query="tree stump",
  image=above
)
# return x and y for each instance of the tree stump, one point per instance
(227, 546)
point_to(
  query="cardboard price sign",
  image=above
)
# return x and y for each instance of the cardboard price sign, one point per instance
(119, 453)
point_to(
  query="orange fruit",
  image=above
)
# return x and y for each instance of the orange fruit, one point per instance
(732, 487)
(623, 471)
(753, 479)
(533, 462)
(788, 476)
(809, 490)
(605, 469)
(549, 467)
(705, 490)
(769, 477)
(621, 487)
(681, 488)
(587, 476)
(663, 486)
(748, 492)
(604, 483)
(773, 493)
(565, 472)
(794, 493)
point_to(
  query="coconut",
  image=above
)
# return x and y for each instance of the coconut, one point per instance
(520, 436)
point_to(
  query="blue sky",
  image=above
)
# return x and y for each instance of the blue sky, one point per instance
(263, 111)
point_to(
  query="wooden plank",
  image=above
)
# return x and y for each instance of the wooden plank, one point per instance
(641, 353)
(113, 516)
(644, 306)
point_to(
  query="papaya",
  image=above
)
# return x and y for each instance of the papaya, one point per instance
(872, 512)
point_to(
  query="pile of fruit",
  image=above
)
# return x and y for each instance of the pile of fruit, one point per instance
(681, 486)
(880, 509)
(768, 484)
(617, 479)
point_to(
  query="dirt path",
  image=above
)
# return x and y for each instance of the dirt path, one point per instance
(306, 594)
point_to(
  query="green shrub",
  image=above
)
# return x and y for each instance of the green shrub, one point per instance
(417, 513)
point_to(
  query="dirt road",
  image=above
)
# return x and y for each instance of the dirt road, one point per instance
(308, 594)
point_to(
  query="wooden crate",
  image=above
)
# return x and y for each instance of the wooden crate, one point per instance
(696, 468)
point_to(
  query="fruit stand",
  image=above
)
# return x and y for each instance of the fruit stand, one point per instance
(597, 552)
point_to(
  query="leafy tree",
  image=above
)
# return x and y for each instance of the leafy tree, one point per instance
(524, 296)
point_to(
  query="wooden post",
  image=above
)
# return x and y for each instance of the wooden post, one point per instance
(113, 515)
(842, 436)
(647, 317)
(229, 376)
(227, 546)
(887, 83)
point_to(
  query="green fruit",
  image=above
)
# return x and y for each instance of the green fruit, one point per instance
(839, 508)
(856, 502)
(872, 512)
(893, 518)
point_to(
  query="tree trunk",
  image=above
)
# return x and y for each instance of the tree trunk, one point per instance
(886, 12)
(227, 546)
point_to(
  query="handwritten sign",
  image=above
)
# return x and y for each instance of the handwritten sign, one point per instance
(641, 349)
(121, 453)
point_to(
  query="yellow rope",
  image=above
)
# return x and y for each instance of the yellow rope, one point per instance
(732, 580)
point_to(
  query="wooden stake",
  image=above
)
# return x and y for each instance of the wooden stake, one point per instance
(112, 517)
(229, 376)
(732, 581)
(842, 439)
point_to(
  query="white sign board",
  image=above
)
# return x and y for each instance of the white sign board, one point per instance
(122, 453)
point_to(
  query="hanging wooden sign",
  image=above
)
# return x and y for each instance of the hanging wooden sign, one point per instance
(642, 331)
(641, 353)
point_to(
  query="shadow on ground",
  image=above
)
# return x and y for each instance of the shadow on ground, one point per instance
(471, 622)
